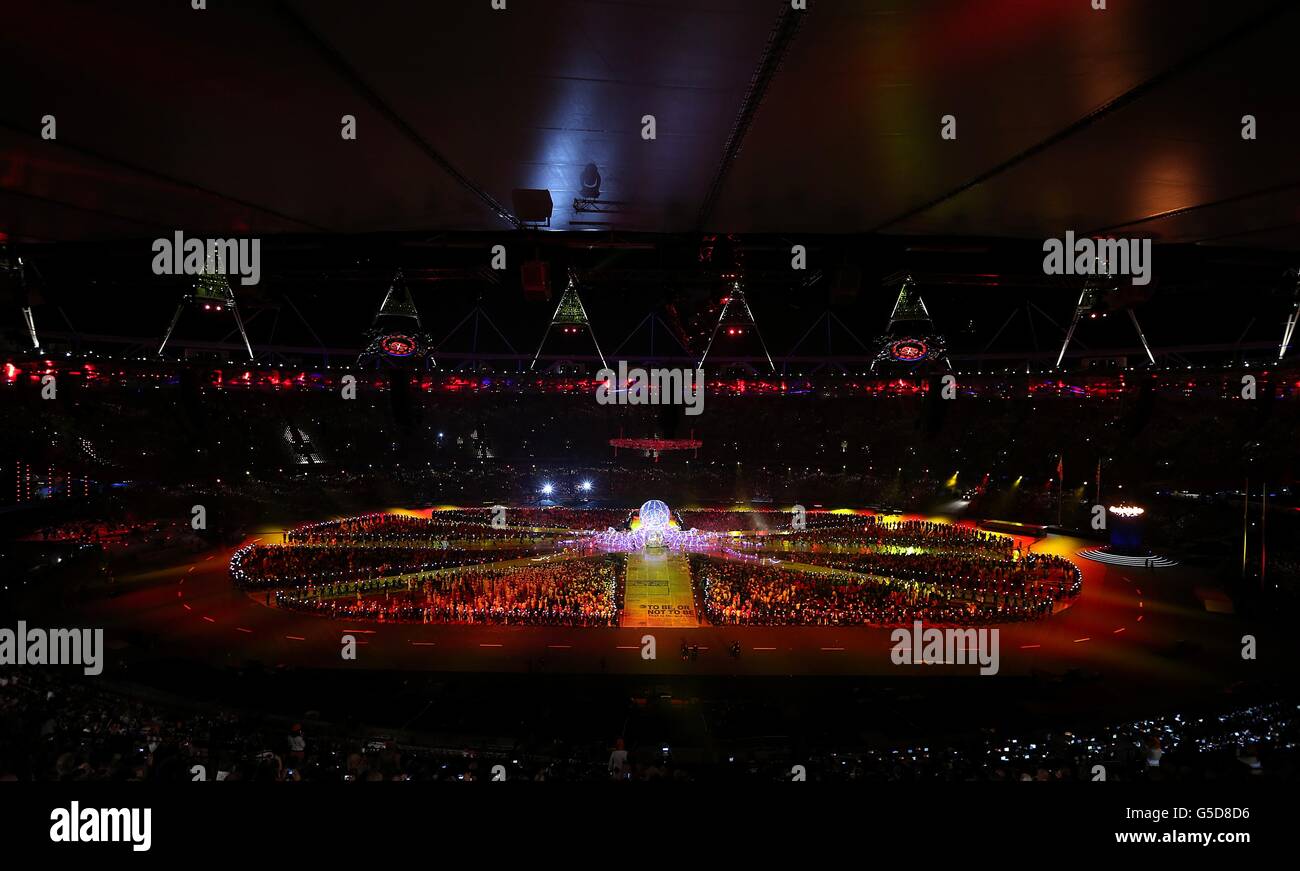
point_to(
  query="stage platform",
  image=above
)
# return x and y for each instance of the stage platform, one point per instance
(658, 591)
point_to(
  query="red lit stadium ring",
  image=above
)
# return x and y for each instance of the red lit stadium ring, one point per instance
(398, 345)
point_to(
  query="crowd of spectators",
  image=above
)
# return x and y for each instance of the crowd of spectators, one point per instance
(53, 728)
(119, 537)
(894, 450)
(1244, 743)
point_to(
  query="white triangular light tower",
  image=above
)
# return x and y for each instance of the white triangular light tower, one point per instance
(1291, 321)
(736, 315)
(13, 263)
(910, 339)
(1095, 291)
(396, 336)
(212, 291)
(570, 316)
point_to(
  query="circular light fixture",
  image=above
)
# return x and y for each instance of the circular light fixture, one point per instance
(909, 350)
(590, 181)
(397, 345)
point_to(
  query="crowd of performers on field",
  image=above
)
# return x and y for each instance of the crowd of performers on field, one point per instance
(262, 566)
(562, 592)
(870, 571)
(889, 572)
(552, 517)
(404, 530)
(898, 536)
(767, 520)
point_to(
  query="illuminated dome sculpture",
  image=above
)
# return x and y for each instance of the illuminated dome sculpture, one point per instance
(654, 518)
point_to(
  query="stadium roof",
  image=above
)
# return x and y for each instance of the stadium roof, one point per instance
(228, 119)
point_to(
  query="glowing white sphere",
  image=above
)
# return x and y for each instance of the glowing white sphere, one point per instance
(654, 515)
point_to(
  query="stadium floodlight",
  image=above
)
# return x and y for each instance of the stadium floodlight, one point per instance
(586, 486)
(548, 489)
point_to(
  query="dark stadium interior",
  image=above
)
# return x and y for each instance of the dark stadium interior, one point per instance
(781, 133)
